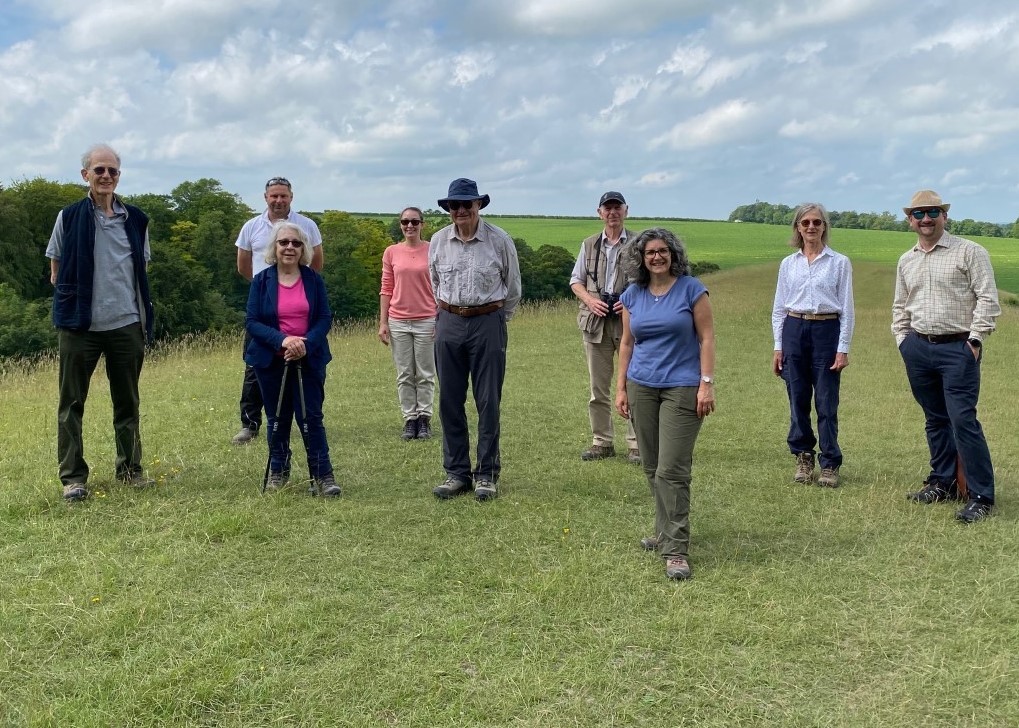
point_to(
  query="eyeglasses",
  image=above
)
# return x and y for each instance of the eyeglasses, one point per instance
(290, 243)
(278, 181)
(100, 171)
(932, 214)
(811, 223)
(455, 205)
(415, 223)
(659, 252)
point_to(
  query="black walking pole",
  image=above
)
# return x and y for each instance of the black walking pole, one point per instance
(315, 488)
(276, 423)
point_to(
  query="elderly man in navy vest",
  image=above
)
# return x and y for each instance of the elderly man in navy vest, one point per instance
(476, 281)
(99, 252)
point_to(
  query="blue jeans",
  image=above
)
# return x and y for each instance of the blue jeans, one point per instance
(270, 380)
(808, 351)
(945, 379)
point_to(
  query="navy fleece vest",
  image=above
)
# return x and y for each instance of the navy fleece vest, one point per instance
(72, 300)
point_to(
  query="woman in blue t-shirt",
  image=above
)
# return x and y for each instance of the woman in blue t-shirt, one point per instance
(666, 381)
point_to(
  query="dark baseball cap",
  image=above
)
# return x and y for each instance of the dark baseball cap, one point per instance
(610, 196)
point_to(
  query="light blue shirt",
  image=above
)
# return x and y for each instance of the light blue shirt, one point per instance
(823, 286)
(666, 350)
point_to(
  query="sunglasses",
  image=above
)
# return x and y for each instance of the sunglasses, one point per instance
(811, 223)
(278, 181)
(415, 223)
(456, 205)
(290, 243)
(659, 252)
(100, 171)
(932, 214)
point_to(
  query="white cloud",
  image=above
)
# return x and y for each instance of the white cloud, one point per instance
(722, 123)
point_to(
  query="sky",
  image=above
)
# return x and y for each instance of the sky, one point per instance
(690, 108)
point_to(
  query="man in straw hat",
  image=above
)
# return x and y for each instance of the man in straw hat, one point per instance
(476, 280)
(945, 306)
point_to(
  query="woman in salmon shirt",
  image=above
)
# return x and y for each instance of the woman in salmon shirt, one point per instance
(288, 318)
(407, 324)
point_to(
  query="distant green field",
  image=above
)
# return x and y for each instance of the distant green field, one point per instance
(730, 244)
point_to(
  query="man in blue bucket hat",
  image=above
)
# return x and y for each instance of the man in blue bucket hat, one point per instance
(476, 280)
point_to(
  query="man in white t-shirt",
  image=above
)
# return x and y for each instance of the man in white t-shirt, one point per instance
(251, 247)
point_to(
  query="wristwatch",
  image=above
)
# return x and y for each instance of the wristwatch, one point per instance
(707, 380)
(975, 343)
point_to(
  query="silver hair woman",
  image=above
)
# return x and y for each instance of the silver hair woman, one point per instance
(292, 231)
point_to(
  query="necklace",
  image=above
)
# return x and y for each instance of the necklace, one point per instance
(659, 295)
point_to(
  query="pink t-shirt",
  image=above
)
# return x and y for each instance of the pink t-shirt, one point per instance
(406, 279)
(292, 309)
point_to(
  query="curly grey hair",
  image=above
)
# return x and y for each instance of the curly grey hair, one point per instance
(637, 272)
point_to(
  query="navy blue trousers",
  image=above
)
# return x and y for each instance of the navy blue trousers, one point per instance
(470, 348)
(270, 380)
(808, 351)
(945, 379)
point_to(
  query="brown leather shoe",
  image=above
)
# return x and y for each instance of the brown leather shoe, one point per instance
(598, 452)
(804, 468)
(829, 478)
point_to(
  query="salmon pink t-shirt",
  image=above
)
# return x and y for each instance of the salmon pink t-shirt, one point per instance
(406, 279)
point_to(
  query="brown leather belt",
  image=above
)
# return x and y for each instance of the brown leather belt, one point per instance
(472, 310)
(813, 316)
(942, 338)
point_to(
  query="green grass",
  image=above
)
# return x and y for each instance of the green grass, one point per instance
(734, 244)
(199, 602)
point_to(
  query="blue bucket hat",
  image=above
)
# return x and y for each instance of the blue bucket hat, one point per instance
(463, 190)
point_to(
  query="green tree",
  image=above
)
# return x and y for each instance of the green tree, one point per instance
(25, 326)
(352, 248)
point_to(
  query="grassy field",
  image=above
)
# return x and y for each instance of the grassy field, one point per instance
(733, 244)
(201, 603)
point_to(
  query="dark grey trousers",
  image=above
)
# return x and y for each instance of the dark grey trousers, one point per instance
(79, 352)
(472, 349)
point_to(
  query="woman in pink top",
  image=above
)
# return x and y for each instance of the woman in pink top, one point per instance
(407, 321)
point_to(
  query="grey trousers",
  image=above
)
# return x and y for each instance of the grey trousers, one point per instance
(470, 348)
(667, 426)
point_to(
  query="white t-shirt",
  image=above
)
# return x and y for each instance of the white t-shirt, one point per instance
(254, 236)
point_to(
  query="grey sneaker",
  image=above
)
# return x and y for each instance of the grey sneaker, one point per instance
(75, 492)
(136, 480)
(245, 436)
(829, 478)
(450, 488)
(275, 482)
(650, 543)
(678, 568)
(633, 456)
(598, 452)
(804, 468)
(326, 485)
(484, 489)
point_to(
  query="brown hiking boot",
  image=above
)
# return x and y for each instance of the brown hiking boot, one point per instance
(633, 456)
(804, 468)
(829, 478)
(598, 452)
(678, 568)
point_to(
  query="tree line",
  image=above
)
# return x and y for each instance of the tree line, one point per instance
(772, 214)
(193, 272)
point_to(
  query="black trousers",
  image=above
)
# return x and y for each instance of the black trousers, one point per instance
(470, 349)
(251, 396)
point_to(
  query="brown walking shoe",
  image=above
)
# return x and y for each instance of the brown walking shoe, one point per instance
(678, 568)
(829, 478)
(598, 452)
(633, 456)
(804, 468)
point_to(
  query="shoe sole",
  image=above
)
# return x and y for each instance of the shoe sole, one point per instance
(485, 495)
(443, 494)
(78, 494)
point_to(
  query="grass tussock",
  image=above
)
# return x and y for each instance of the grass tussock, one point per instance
(199, 602)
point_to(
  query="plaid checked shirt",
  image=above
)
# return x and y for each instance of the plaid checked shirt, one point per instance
(949, 290)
